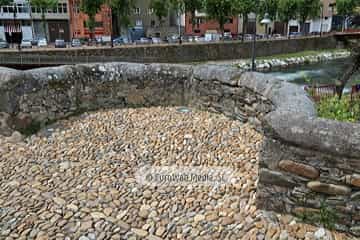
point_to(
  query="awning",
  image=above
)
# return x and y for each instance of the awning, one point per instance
(12, 28)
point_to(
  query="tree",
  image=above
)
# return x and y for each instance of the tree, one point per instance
(345, 8)
(191, 6)
(219, 10)
(307, 9)
(44, 5)
(287, 10)
(91, 8)
(121, 10)
(161, 9)
(354, 46)
(5, 2)
(270, 7)
(244, 8)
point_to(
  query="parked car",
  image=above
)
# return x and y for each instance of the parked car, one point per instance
(60, 43)
(172, 38)
(98, 40)
(143, 40)
(75, 42)
(26, 43)
(295, 34)
(227, 36)
(277, 36)
(105, 40)
(34, 42)
(156, 40)
(3, 44)
(120, 40)
(42, 42)
(248, 37)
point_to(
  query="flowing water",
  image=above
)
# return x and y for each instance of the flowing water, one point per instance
(320, 73)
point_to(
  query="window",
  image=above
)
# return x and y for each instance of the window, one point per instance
(229, 21)
(199, 21)
(138, 23)
(76, 8)
(99, 24)
(137, 11)
(152, 23)
(60, 10)
(64, 7)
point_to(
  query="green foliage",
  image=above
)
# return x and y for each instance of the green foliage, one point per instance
(44, 4)
(161, 8)
(345, 7)
(270, 7)
(326, 216)
(219, 10)
(122, 9)
(244, 7)
(307, 9)
(287, 10)
(5, 2)
(341, 110)
(91, 8)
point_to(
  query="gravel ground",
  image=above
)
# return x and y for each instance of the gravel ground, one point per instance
(79, 182)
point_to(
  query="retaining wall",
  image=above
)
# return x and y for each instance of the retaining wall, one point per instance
(306, 164)
(170, 53)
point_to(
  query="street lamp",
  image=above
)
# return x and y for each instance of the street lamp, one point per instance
(252, 18)
(266, 21)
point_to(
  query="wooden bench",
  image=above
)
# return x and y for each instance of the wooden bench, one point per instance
(321, 92)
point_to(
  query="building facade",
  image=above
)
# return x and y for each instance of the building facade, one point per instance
(143, 18)
(203, 25)
(19, 20)
(15, 21)
(78, 21)
(57, 21)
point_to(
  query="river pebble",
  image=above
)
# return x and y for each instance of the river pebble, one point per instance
(79, 181)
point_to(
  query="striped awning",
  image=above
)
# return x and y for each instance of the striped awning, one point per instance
(12, 28)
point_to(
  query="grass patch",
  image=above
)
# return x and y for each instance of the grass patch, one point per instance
(326, 217)
(340, 110)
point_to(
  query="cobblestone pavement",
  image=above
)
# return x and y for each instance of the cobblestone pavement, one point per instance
(79, 181)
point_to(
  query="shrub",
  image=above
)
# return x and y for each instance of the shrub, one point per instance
(341, 110)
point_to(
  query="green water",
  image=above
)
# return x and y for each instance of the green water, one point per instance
(320, 73)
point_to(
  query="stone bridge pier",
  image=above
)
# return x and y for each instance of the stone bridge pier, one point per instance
(308, 165)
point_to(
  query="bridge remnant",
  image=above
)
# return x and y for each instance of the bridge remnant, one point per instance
(307, 165)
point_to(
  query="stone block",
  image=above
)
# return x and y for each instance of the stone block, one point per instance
(299, 169)
(330, 189)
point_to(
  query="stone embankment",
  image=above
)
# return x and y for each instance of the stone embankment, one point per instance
(285, 62)
(308, 166)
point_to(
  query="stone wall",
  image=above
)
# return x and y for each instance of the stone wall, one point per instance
(169, 53)
(308, 166)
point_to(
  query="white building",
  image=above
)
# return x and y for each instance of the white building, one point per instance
(15, 21)
(20, 21)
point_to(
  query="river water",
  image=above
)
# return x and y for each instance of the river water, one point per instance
(320, 73)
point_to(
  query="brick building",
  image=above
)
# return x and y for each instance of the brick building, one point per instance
(202, 25)
(78, 21)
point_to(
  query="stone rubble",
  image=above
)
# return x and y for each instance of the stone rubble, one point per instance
(78, 182)
(268, 64)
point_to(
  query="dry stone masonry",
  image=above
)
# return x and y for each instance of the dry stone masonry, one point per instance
(308, 165)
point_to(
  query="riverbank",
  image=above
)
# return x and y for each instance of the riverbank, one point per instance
(293, 59)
